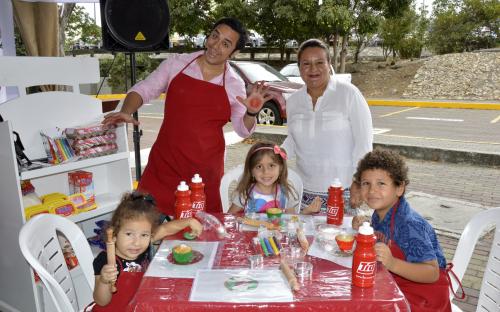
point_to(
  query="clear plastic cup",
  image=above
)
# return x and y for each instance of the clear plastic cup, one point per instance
(291, 255)
(256, 261)
(303, 271)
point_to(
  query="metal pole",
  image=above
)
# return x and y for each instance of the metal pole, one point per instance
(136, 133)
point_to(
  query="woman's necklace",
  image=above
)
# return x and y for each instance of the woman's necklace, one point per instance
(314, 97)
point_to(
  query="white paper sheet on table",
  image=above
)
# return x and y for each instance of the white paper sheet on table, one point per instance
(307, 223)
(242, 286)
(317, 251)
(162, 267)
(346, 222)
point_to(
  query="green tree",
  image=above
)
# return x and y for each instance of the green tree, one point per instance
(81, 27)
(464, 25)
(403, 34)
(239, 9)
(20, 47)
(348, 17)
(282, 20)
(335, 20)
(365, 26)
(119, 70)
(190, 17)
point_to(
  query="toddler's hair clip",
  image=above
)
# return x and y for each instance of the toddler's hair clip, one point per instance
(145, 197)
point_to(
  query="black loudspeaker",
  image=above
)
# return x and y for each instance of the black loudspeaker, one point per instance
(135, 25)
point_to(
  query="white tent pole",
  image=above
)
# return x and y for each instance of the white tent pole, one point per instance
(8, 44)
(7, 28)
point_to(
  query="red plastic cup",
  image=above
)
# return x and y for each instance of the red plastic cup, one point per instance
(345, 241)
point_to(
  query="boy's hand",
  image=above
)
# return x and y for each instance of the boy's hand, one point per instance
(384, 255)
(356, 200)
(314, 207)
(109, 274)
(357, 221)
(196, 227)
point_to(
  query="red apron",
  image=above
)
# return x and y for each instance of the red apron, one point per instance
(190, 141)
(423, 297)
(126, 286)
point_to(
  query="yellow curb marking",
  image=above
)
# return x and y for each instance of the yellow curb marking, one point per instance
(119, 96)
(436, 104)
(398, 112)
(438, 139)
(495, 120)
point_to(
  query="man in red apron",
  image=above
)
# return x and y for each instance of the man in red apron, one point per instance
(202, 94)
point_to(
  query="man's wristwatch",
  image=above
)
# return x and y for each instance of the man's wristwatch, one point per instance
(252, 114)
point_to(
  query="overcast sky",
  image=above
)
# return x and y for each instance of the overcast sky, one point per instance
(89, 7)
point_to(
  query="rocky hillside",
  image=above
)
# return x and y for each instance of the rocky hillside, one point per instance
(460, 76)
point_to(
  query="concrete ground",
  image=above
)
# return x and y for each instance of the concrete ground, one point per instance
(446, 188)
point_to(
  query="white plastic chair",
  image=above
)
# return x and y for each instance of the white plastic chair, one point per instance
(489, 296)
(235, 174)
(40, 247)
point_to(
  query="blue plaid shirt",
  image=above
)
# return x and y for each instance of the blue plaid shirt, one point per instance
(412, 233)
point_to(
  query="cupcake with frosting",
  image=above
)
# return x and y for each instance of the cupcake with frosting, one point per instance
(182, 254)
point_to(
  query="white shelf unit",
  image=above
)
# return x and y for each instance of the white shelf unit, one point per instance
(27, 115)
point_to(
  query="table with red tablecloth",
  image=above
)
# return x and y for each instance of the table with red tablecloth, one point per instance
(329, 290)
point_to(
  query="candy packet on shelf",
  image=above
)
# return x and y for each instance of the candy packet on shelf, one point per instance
(89, 131)
(93, 139)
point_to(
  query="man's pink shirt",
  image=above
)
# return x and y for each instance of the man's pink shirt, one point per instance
(159, 80)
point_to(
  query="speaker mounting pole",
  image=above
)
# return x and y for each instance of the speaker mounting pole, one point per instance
(136, 133)
(135, 26)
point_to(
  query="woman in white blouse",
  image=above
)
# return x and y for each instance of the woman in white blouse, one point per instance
(329, 125)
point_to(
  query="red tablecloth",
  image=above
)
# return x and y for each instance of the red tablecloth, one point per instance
(329, 290)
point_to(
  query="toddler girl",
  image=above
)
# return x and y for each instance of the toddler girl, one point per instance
(135, 224)
(264, 183)
(408, 246)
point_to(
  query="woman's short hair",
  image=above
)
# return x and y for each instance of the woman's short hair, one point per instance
(237, 26)
(313, 43)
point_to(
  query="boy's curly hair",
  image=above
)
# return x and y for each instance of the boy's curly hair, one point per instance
(386, 160)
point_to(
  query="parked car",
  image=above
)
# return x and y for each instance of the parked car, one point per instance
(199, 40)
(292, 44)
(254, 39)
(274, 111)
(291, 71)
